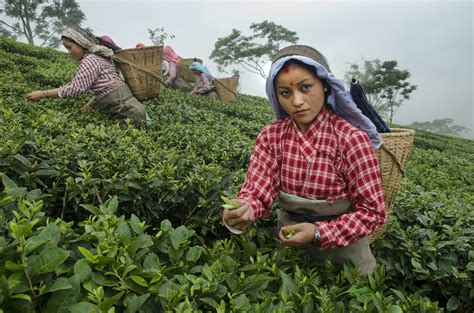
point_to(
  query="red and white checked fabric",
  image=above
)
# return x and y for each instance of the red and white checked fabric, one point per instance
(95, 74)
(332, 160)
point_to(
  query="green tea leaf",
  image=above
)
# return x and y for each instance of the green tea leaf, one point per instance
(50, 234)
(193, 254)
(11, 266)
(230, 204)
(49, 259)
(453, 303)
(140, 280)
(133, 303)
(82, 270)
(88, 255)
(83, 307)
(60, 283)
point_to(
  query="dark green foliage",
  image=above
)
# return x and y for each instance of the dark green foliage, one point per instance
(96, 215)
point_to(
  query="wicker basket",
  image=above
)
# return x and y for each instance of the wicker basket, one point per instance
(142, 70)
(393, 157)
(184, 72)
(302, 50)
(226, 88)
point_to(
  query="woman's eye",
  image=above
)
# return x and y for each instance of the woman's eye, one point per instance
(306, 87)
(284, 93)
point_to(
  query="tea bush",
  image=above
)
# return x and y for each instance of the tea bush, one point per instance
(101, 216)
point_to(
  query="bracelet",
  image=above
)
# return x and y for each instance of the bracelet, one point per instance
(317, 238)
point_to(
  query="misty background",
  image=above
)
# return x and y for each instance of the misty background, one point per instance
(433, 40)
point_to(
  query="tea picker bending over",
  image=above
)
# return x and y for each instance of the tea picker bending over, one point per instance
(204, 85)
(317, 159)
(170, 62)
(96, 74)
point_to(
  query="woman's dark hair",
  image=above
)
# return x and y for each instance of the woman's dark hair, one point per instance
(326, 86)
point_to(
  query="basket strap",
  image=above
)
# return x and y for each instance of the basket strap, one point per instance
(222, 84)
(394, 158)
(133, 65)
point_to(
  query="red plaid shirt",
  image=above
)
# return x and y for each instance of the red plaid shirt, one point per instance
(332, 160)
(96, 74)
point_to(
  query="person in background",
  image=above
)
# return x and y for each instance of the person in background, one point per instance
(108, 42)
(204, 85)
(171, 62)
(139, 45)
(96, 74)
(317, 159)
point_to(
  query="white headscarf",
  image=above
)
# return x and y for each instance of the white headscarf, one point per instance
(88, 41)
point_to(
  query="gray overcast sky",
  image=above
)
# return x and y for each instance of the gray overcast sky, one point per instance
(432, 39)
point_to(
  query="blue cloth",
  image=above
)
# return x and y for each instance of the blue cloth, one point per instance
(148, 119)
(339, 100)
(196, 66)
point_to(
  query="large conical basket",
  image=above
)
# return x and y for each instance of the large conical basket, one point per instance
(393, 156)
(226, 88)
(142, 69)
(183, 69)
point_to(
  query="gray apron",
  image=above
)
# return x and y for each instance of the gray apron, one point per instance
(358, 252)
(181, 84)
(120, 104)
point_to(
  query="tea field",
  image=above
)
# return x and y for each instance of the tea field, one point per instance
(97, 216)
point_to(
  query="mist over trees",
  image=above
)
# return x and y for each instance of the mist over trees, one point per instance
(254, 51)
(40, 21)
(385, 84)
(443, 126)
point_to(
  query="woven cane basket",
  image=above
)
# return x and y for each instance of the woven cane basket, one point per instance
(142, 70)
(393, 156)
(226, 88)
(302, 50)
(184, 72)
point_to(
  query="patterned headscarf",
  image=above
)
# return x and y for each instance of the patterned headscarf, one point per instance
(339, 100)
(87, 40)
(170, 56)
(196, 66)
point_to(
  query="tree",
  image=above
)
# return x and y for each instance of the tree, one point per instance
(385, 84)
(252, 52)
(159, 35)
(444, 126)
(40, 19)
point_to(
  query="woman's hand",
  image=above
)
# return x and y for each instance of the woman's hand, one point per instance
(304, 234)
(36, 95)
(240, 218)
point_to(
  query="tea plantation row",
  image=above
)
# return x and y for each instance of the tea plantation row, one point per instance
(101, 216)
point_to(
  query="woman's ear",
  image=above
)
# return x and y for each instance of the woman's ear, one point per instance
(327, 89)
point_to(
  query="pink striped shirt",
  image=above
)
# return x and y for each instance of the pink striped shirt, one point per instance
(95, 74)
(331, 160)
